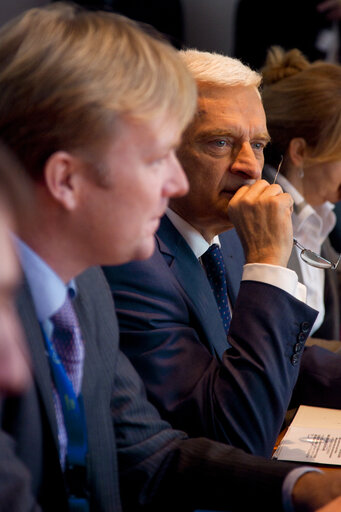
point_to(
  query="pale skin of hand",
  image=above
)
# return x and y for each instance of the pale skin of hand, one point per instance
(261, 214)
(318, 492)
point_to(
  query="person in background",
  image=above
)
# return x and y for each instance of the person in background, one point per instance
(302, 102)
(94, 109)
(230, 381)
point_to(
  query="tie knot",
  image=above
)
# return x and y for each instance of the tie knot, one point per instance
(66, 333)
(65, 318)
(67, 340)
(213, 260)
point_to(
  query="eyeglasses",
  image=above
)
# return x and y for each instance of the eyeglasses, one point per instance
(314, 259)
(308, 256)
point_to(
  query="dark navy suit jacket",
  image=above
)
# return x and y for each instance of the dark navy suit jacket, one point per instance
(236, 390)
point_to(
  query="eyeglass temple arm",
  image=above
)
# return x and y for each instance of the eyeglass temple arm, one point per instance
(335, 265)
(296, 242)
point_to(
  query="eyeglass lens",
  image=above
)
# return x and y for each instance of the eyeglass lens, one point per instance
(314, 259)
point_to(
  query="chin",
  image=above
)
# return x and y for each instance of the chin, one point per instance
(126, 252)
(145, 249)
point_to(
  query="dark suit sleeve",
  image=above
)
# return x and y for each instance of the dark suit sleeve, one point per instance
(171, 472)
(240, 399)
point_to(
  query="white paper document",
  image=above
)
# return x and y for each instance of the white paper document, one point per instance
(314, 436)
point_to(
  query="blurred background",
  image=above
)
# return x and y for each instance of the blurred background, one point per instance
(241, 28)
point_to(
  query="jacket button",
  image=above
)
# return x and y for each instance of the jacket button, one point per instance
(305, 326)
(294, 359)
(301, 337)
(298, 347)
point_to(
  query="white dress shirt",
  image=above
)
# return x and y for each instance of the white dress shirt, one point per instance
(311, 228)
(281, 277)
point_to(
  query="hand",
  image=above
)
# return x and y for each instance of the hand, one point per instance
(261, 214)
(333, 506)
(332, 9)
(320, 492)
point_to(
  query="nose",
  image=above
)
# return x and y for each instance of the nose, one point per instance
(177, 184)
(246, 164)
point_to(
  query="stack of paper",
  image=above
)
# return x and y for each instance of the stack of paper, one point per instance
(314, 436)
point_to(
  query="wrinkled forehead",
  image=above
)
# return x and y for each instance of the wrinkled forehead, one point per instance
(229, 98)
(225, 108)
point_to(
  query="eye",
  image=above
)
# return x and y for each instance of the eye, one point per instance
(220, 143)
(258, 146)
(160, 159)
(217, 144)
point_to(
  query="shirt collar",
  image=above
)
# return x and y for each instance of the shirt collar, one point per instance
(195, 240)
(47, 289)
(322, 215)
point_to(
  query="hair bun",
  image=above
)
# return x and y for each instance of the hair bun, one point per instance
(280, 64)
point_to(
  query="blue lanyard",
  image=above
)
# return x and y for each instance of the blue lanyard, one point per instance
(75, 424)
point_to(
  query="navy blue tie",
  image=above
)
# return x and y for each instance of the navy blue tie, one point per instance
(214, 265)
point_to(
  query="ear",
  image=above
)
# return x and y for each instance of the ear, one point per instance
(297, 149)
(61, 171)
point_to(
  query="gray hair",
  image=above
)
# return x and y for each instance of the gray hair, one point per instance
(219, 70)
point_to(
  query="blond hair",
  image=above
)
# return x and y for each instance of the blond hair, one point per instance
(217, 70)
(67, 75)
(303, 99)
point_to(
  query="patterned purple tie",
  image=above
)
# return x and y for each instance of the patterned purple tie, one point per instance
(214, 265)
(67, 340)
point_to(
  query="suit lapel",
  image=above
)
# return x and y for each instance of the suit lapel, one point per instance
(234, 260)
(191, 278)
(85, 316)
(41, 369)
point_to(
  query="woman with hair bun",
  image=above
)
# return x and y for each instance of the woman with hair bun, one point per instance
(302, 101)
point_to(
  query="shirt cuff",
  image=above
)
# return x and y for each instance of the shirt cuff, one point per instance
(288, 485)
(282, 277)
